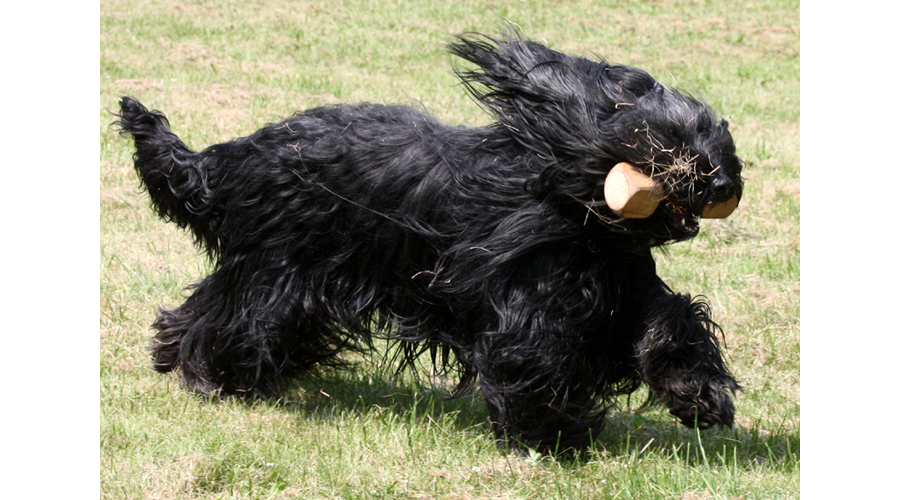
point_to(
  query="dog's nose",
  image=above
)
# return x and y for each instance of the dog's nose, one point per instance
(721, 181)
(724, 185)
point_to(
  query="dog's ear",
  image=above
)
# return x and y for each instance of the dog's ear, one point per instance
(546, 99)
(514, 68)
(633, 80)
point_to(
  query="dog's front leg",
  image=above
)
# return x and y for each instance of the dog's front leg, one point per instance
(680, 360)
(535, 372)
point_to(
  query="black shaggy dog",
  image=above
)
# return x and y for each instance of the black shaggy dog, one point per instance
(491, 248)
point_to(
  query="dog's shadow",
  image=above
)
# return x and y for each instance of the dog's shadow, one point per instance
(379, 390)
(628, 433)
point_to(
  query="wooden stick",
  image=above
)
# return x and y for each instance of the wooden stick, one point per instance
(630, 194)
(720, 210)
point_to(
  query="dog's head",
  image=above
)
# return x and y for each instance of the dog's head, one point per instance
(577, 118)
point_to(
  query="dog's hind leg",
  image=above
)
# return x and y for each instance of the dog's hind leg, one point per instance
(240, 331)
(680, 360)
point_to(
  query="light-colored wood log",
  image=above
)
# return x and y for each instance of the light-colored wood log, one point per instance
(720, 210)
(629, 193)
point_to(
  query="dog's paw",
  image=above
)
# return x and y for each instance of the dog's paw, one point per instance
(702, 403)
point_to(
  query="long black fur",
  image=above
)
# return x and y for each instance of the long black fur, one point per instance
(492, 244)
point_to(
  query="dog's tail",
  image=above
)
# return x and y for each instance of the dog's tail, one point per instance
(175, 177)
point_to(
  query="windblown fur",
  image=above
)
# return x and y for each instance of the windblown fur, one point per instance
(492, 244)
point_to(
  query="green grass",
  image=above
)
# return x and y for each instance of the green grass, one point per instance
(222, 69)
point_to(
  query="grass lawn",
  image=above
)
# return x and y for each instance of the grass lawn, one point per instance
(222, 69)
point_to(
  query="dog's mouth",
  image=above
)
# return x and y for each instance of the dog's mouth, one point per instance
(681, 220)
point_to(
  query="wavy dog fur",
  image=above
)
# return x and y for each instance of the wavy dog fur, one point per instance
(492, 244)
